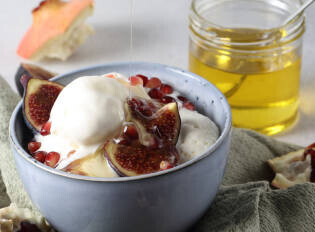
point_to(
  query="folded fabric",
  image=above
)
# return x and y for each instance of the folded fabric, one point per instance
(14, 187)
(245, 201)
(255, 207)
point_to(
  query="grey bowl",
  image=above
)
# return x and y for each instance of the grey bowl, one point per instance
(171, 200)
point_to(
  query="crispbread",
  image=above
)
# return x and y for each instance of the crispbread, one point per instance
(291, 169)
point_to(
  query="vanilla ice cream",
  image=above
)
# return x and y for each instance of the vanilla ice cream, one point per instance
(197, 134)
(89, 111)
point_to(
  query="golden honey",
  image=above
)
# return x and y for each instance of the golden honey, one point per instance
(258, 71)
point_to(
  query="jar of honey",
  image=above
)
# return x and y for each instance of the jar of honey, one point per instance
(245, 51)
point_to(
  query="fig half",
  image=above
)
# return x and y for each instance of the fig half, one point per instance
(39, 98)
(157, 130)
(137, 160)
(30, 70)
(154, 125)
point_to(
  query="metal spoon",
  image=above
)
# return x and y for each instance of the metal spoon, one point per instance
(299, 11)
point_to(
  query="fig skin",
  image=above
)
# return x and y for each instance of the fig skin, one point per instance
(158, 135)
(43, 102)
(30, 70)
(164, 124)
(138, 160)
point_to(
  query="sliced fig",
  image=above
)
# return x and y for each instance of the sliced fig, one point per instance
(157, 127)
(94, 165)
(39, 98)
(30, 70)
(154, 124)
(137, 160)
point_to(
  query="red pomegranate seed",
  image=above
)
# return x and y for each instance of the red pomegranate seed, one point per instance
(165, 165)
(131, 132)
(45, 129)
(146, 111)
(166, 89)
(312, 146)
(154, 82)
(155, 143)
(181, 98)
(188, 105)
(33, 146)
(144, 79)
(123, 141)
(134, 80)
(167, 99)
(155, 94)
(52, 159)
(40, 156)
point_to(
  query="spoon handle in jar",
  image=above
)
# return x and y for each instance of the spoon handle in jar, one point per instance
(299, 11)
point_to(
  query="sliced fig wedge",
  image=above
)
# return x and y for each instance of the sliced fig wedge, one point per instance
(157, 130)
(94, 165)
(137, 160)
(30, 70)
(39, 98)
(154, 125)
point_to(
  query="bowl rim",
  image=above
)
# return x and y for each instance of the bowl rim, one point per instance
(224, 133)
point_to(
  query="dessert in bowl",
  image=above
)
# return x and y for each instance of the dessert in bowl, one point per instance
(164, 200)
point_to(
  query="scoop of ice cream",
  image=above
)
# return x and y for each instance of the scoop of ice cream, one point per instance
(89, 110)
(197, 134)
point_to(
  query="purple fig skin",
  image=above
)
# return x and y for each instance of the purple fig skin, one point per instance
(116, 170)
(152, 159)
(146, 135)
(109, 160)
(26, 81)
(32, 71)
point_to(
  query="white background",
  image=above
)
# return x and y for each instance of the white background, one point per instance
(160, 35)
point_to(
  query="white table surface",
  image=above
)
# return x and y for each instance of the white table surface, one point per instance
(160, 35)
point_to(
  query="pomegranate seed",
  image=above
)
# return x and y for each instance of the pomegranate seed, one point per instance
(165, 165)
(166, 89)
(181, 98)
(40, 156)
(154, 82)
(45, 129)
(123, 141)
(131, 132)
(188, 105)
(309, 151)
(167, 99)
(312, 146)
(144, 79)
(146, 111)
(33, 146)
(155, 94)
(52, 159)
(134, 80)
(155, 143)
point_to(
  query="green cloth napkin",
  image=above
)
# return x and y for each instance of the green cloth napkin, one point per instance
(245, 201)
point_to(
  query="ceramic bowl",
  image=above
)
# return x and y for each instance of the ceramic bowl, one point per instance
(171, 200)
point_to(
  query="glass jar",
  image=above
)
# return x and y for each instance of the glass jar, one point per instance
(241, 47)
